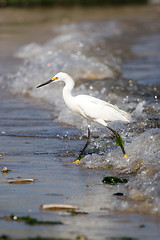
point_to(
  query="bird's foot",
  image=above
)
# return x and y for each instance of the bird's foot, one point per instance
(78, 159)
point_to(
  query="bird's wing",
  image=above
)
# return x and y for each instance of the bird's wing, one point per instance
(95, 109)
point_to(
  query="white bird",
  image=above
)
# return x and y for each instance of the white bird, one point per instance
(91, 108)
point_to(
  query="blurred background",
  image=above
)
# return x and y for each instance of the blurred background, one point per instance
(73, 2)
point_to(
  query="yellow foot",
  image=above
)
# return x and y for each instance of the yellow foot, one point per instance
(76, 161)
(125, 155)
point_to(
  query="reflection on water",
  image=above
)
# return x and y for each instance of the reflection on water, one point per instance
(117, 60)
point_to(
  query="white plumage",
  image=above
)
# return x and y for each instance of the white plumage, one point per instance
(91, 108)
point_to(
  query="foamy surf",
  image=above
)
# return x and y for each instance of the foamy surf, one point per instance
(93, 65)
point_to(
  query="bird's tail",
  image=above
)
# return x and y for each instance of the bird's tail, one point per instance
(126, 116)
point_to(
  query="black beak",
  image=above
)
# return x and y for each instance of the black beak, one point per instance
(45, 83)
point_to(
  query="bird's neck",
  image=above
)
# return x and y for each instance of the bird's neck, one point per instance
(67, 91)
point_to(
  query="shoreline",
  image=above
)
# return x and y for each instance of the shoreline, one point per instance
(37, 148)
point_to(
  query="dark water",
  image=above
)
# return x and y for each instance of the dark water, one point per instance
(116, 59)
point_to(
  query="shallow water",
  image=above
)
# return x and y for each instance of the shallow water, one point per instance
(114, 58)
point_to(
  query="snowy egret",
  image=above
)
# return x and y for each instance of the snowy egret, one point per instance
(91, 108)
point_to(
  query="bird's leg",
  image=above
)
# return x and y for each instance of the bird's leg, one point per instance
(87, 143)
(119, 140)
(83, 150)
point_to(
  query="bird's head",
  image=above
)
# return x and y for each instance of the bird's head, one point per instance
(61, 76)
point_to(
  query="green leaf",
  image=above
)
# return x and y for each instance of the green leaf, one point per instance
(114, 180)
(109, 165)
(31, 221)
